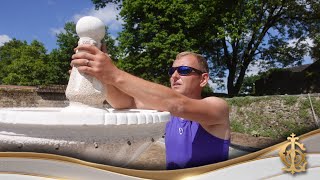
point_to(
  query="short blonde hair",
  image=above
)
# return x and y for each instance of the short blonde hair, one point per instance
(201, 60)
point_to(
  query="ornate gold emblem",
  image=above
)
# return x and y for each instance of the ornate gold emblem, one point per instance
(293, 159)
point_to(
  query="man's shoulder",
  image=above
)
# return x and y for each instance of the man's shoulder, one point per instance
(216, 101)
(220, 110)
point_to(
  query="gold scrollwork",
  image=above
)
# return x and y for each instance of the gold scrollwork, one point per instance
(292, 158)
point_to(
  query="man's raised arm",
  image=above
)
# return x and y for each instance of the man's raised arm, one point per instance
(118, 99)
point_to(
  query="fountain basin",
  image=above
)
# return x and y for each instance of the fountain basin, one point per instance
(113, 137)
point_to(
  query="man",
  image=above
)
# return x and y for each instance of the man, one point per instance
(198, 132)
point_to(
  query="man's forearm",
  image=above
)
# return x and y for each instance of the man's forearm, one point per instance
(151, 95)
(118, 99)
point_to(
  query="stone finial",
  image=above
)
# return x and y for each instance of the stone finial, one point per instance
(82, 89)
(91, 30)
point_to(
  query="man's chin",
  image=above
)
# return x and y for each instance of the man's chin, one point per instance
(177, 89)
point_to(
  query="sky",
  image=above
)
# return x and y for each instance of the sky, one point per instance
(42, 19)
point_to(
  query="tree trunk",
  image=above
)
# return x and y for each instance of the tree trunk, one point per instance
(230, 86)
(233, 89)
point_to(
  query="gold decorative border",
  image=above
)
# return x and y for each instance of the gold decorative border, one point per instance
(32, 175)
(158, 174)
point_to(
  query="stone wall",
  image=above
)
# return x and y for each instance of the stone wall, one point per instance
(29, 96)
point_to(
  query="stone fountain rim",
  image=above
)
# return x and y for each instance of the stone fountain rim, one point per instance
(26, 116)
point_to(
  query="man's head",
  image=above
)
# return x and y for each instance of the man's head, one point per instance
(189, 74)
(201, 60)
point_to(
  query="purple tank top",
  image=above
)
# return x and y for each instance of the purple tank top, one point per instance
(189, 145)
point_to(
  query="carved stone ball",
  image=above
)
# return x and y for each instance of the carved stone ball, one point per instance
(89, 26)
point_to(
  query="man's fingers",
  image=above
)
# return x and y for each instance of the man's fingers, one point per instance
(83, 55)
(87, 47)
(85, 69)
(81, 62)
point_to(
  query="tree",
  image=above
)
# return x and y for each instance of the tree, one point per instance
(8, 52)
(248, 86)
(59, 59)
(24, 64)
(230, 34)
(315, 50)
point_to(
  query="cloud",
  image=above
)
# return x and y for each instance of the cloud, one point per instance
(3, 39)
(108, 15)
(55, 31)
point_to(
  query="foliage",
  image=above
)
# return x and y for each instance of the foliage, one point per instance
(8, 52)
(248, 86)
(207, 91)
(315, 53)
(58, 61)
(23, 64)
(230, 34)
(60, 58)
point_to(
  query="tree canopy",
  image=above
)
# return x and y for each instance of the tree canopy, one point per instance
(230, 34)
(23, 64)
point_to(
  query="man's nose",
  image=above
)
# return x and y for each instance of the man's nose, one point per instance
(175, 75)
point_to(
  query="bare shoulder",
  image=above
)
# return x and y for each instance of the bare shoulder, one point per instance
(220, 110)
(217, 102)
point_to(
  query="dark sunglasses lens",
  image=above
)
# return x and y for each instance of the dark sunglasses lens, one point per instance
(184, 70)
(172, 70)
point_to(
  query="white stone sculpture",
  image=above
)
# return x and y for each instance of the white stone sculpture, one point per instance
(84, 92)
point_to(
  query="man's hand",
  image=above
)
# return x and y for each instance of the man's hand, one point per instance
(92, 61)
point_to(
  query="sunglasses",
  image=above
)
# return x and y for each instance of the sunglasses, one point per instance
(184, 70)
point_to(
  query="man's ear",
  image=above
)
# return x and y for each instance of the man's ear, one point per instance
(204, 79)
